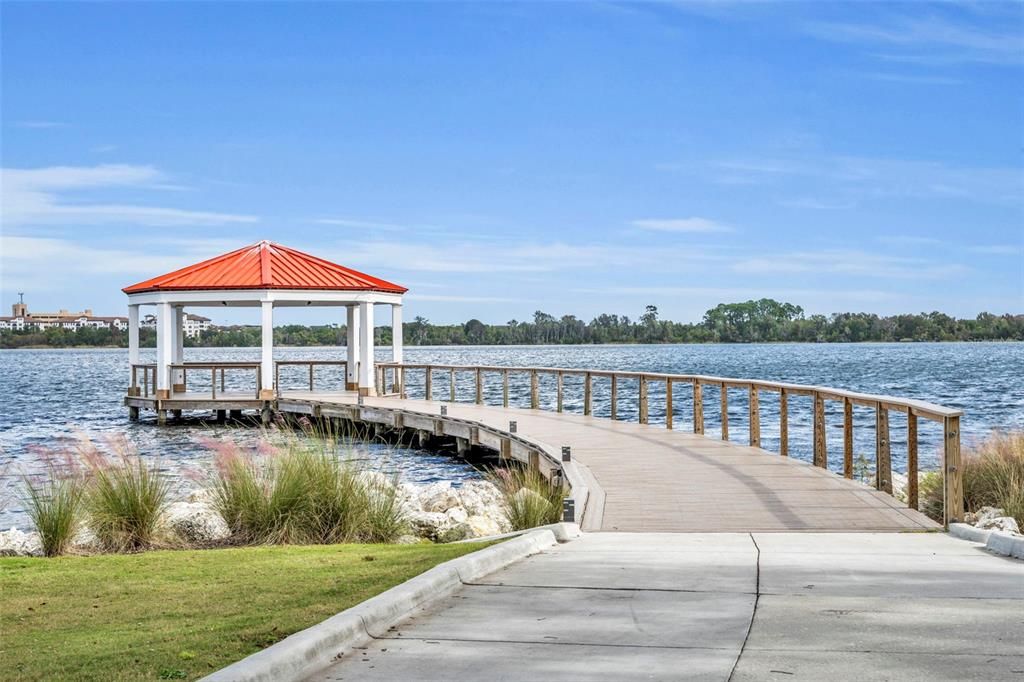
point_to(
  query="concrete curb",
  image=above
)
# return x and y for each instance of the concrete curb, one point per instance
(995, 541)
(300, 655)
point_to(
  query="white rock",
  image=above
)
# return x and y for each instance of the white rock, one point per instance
(407, 540)
(14, 542)
(482, 526)
(428, 524)
(196, 522)
(456, 515)
(375, 480)
(479, 496)
(1005, 523)
(200, 495)
(438, 497)
(85, 539)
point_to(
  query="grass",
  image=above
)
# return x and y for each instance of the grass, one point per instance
(124, 501)
(303, 492)
(53, 504)
(993, 473)
(528, 499)
(183, 614)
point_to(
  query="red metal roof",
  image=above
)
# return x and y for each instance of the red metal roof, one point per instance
(265, 266)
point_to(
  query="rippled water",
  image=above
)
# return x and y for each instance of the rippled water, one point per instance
(50, 396)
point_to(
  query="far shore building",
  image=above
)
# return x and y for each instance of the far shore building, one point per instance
(21, 319)
(192, 325)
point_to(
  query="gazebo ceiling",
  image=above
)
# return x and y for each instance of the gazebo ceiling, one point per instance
(265, 265)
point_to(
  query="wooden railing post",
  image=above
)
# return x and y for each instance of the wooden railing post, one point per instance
(615, 397)
(668, 404)
(222, 380)
(451, 384)
(820, 444)
(698, 407)
(588, 396)
(847, 438)
(953, 481)
(912, 500)
(755, 417)
(560, 388)
(401, 380)
(479, 387)
(311, 377)
(783, 422)
(883, 456)
(643, 398)
(504, 388)
(534, 390)
(135, 381)
(428, 383)
(213, 382)
(725, 411)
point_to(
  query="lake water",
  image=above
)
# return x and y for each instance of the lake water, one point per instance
(52, 397)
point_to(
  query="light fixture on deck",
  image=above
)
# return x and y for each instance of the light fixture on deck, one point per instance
(512, 427)
(568, 510)
(444, 410)
(566, 453)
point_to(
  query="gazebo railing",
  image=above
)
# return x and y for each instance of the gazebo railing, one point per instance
(147, 370)
(311, 364)
(948, 418)
(217, 370)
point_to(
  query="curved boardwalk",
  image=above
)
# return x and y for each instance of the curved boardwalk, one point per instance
(651, 479)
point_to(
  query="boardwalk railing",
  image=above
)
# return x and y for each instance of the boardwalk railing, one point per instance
(882, 405)
(310, 364)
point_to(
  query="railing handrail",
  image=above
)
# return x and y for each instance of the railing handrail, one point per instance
(948, 417)
(920, 408)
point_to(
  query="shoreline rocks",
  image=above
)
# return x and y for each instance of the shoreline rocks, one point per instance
(992, 518)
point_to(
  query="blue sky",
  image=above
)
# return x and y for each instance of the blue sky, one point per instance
(503, 158)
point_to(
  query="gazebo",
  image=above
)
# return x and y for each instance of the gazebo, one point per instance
(265, 275)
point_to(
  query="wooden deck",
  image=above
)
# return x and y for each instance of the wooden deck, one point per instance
(646, 478)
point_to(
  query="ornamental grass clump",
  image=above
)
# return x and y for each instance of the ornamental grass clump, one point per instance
(124, 499)
(528, 499)
(54, 504)
(301, 491)
(993, 475)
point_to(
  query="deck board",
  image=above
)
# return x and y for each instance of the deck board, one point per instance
(655, 479)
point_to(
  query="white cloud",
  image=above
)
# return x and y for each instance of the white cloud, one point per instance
(996, 250)
(701, 225)
(38, 196)
(848, 179)
(929, 40)
(360, 224)
(509, 256)
(846, 262)
(50, 264)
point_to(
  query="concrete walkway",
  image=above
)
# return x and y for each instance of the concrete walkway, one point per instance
(721, 606)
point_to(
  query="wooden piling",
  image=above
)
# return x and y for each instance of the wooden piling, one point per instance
(783, 422)
(820, 443)
(883, 456)
(698, 407)
(668, 404)
(754, 410)
(912, 493)
(725, 411)
(847, 438)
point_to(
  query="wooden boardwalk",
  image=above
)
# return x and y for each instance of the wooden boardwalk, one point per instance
(646, 478)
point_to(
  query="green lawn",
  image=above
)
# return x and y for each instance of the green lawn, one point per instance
(184, 614)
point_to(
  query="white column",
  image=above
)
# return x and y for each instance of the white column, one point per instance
(352, 348)
(366, 369)
(133, 339)
(178, 383)
(267, 357)
(396, 344)
(164, 348)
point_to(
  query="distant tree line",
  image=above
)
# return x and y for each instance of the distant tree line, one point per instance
(762, 321)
